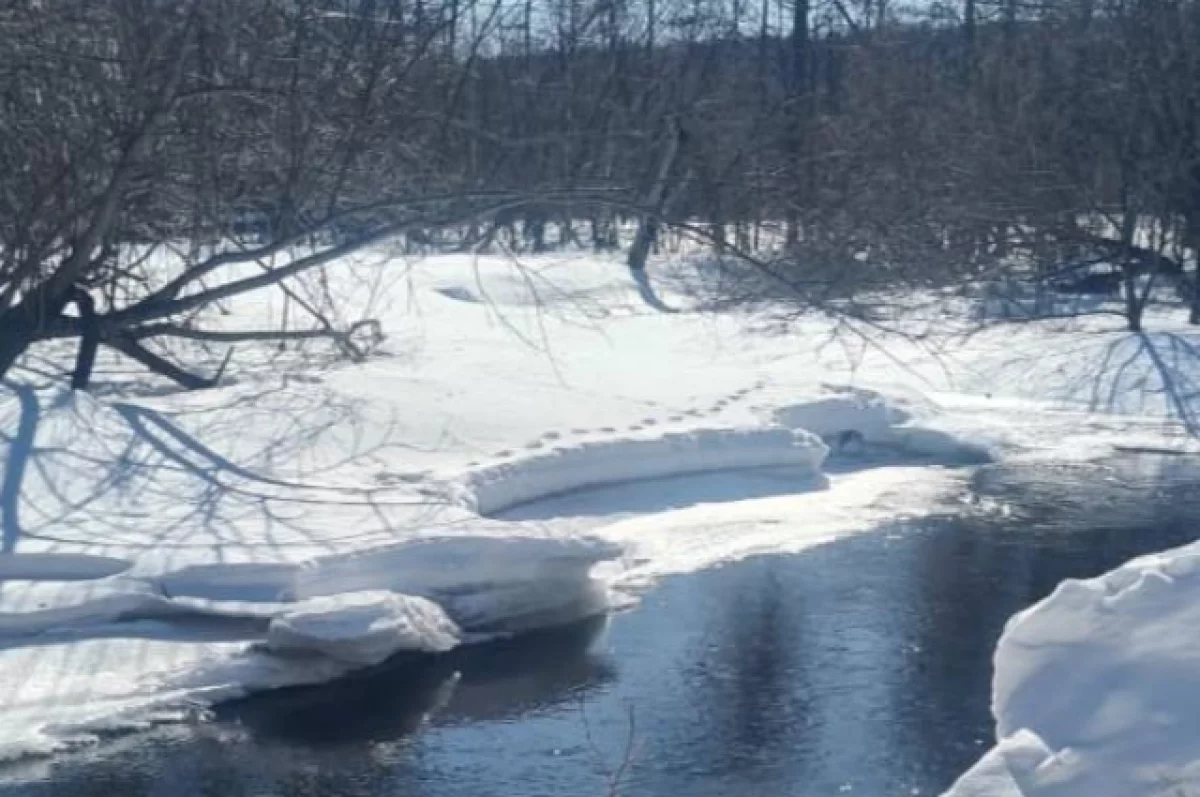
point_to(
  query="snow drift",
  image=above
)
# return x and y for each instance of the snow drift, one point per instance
(878, 421)
(1097, 688)
(493, 489)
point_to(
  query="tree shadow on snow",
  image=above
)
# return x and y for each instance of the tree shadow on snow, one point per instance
(240, 468)
(1153, 375)
(648, 294)
(20, 449)
(1149, 367)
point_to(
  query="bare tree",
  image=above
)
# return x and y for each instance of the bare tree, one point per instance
(270, 134)
(156, 158)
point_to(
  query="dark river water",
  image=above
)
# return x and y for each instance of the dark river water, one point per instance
(861, 667)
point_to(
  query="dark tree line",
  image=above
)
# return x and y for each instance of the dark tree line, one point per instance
(863, 146)
(158, 156)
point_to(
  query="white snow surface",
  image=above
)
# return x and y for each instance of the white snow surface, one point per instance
(163, 550)
(1095, 687)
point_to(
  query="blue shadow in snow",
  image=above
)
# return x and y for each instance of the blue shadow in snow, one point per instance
(672, 492)
(20, 447)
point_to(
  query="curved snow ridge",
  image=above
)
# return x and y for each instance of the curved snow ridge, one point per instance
(879, 422)
(495, 488)
(1102, 675)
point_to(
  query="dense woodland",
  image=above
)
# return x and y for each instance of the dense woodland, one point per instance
(838, 146)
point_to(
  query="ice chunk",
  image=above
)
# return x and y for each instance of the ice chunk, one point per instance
(1004, 769)
(514, 607)
(363, 628)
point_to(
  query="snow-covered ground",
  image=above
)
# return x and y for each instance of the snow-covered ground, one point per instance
(164, 550)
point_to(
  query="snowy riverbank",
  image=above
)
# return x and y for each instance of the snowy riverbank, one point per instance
(1095, 688)
(165, 550)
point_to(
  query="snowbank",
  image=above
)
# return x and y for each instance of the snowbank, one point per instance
(434, 566)
(864, 411)
(1097, 688)
(879, 422)
(493, 489)
(485, 582)
(125, 650)
(495, 584)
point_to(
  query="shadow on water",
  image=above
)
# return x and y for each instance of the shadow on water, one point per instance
(860, 667)
(497, 681)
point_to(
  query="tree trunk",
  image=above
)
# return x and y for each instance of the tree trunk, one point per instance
(797, 135)
(1135, 304)
(642, 243)
(23, 322)
(1194, 311)
(534, 231)
(660, 192)
(1192, 241)
(89, 340)
(16, 339)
